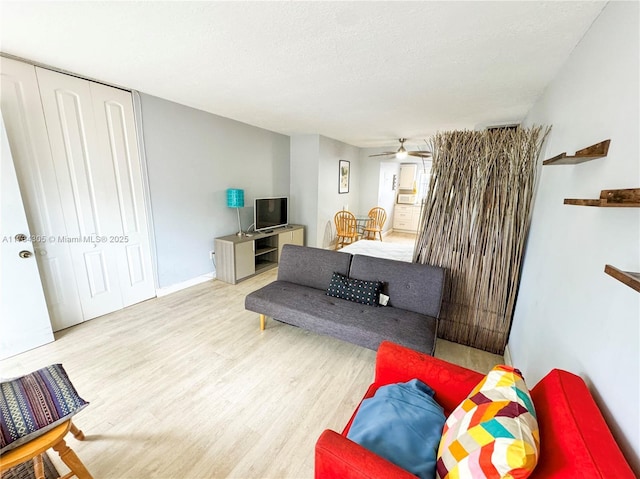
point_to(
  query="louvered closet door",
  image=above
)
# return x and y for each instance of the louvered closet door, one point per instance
(98, 175)
(27, 133)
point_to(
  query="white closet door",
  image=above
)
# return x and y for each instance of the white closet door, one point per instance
(86, 185)
(27, 132)
(117, 135)
(24, 319)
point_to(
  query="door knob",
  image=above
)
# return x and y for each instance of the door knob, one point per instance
(25, 254)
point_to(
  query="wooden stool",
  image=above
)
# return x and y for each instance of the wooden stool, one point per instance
(36, 447)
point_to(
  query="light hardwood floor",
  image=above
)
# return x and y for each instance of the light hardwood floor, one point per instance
(186, 386)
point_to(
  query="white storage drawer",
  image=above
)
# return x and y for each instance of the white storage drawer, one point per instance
(402, 225)
(406, 218)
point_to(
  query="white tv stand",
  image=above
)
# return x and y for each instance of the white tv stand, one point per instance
(240, 257)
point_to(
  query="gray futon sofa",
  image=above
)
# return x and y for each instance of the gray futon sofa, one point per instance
(298, 297)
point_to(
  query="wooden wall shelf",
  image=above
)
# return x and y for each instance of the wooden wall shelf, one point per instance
(625, 198)
(630, 279)
(599, 150)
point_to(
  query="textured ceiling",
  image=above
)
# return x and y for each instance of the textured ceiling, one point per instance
(364, 73)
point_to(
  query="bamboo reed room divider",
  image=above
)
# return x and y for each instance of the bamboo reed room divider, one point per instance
(474, 224)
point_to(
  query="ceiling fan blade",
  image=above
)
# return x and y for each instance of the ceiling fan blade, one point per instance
(384, 154)
(420, 154)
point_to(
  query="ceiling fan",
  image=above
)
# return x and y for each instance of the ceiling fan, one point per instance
(402, 152)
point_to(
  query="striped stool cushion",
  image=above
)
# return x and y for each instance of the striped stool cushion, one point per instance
(492, 434)
(35, 403)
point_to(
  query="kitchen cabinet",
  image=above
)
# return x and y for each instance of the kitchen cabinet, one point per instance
(408, 174)
(406, 218)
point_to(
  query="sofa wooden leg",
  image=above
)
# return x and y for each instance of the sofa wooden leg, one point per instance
(262, 322)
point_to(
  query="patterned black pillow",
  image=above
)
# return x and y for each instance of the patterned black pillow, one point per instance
(356, 290)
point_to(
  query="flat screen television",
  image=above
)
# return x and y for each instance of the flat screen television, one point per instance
(270, 213)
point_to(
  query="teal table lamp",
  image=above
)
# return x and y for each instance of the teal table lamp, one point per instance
(235, 199)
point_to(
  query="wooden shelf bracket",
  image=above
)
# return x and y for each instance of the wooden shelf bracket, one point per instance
(630, 279)
(599, 150)
(624, 198)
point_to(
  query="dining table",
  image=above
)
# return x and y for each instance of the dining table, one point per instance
(361, 222)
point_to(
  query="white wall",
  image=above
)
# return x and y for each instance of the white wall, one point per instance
(569, 313)
(192, 158)
(314, 184)
(376, 182)
(369, 179)
(304, 184)
(329, 200)
(386, 191)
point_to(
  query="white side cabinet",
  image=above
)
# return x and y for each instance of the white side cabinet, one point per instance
(240, 257)
(406, 218)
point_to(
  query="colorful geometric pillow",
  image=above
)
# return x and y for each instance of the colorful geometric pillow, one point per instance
(36, 403)
(494, 433)
(357, 290)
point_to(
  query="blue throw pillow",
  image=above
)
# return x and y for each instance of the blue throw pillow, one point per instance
(402, 423)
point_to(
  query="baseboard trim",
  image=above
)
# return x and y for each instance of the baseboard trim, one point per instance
(26, 342)
(185, 284)
(507, 356)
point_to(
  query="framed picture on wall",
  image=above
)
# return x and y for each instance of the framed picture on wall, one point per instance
(343, 176)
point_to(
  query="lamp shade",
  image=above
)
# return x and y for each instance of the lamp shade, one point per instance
(235, 198)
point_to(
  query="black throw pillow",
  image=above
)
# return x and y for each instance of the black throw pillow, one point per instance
(356, 290)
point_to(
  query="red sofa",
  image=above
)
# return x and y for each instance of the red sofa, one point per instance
(575, 441)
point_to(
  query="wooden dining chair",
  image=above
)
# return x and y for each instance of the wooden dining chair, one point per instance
(346, 228)
(374, 226)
